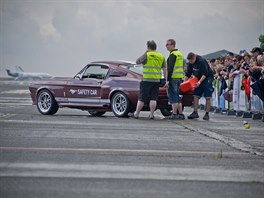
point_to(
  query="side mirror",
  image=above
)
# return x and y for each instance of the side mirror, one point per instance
(78, 76)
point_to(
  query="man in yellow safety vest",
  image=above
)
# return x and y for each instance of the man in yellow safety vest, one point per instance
(153, 63)
(175, 76)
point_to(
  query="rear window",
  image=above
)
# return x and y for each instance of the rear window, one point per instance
(135, 68)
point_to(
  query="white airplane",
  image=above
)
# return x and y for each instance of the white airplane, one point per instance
(19, 74)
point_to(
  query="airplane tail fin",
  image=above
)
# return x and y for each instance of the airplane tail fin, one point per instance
(8, 71)
(19, 68)
(13, 74)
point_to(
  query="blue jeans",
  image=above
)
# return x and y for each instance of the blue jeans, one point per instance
(174, 90)
(205, 89)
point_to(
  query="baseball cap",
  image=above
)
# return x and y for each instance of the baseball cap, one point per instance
(255, 49)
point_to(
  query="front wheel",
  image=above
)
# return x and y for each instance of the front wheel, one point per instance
(96, 113)
(120, 104)
(46, 103)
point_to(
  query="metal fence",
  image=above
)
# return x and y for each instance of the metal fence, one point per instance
(235, 98)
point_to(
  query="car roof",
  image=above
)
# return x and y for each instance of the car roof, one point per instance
(117, 62)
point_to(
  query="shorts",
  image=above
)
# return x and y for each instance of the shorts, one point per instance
(149, 91)
(174, 90)
(205, 89)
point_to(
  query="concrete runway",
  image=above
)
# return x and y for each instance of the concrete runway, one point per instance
(72, 154)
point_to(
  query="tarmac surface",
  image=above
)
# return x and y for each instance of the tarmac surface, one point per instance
(72, 154)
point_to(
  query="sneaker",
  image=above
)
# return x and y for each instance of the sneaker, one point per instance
(132, 115)
(172, 117)
(193, 115)
(181, 117)
(151, 118)
(206, 116)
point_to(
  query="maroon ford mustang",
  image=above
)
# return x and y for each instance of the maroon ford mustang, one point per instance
(99, 87)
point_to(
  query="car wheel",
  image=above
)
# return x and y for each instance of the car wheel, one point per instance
(120, 104)
(96, 113)
(46, 103)
(167, 112)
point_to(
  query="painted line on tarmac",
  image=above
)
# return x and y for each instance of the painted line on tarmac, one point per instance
(14, 82)
(18, 91)
(11, 101)
(110, 171)
(227, 140)
(128, 151)
(74, 123)
(6, 115)
(58, 122)
(9, 105)
(4, 98)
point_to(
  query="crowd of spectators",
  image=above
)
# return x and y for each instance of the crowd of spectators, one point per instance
(250, 64)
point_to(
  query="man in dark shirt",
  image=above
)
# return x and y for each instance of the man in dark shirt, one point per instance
(199, 68)
(175, 76)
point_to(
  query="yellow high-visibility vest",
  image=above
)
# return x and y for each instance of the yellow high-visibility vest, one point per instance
(152, 68)
(178, 71)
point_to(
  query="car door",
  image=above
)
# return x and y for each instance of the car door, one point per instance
(85, 88)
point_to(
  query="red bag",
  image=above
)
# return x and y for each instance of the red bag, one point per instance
(189, 85)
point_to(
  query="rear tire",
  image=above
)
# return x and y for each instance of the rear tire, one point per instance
(120, 104)
(167, 112)
(96, 113)
(46, 103)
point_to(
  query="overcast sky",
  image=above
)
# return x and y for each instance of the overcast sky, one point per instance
(61, 36)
